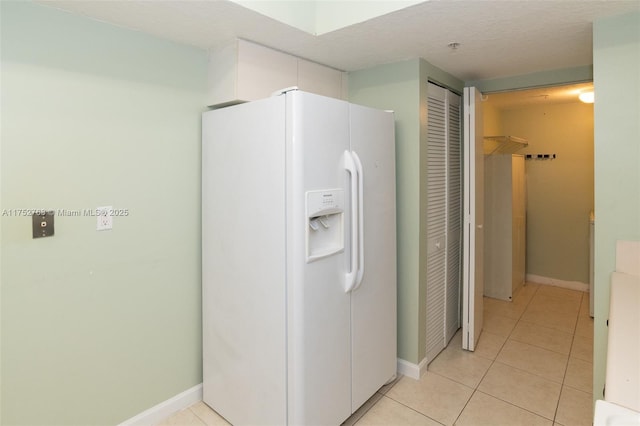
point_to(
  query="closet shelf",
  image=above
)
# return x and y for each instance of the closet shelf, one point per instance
(503, 144)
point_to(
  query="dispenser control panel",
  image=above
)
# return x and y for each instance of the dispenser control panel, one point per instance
(325, 202)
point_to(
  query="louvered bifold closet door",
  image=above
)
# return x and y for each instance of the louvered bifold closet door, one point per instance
(436, 220)
(454, 216)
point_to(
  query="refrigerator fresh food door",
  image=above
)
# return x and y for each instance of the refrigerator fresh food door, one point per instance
(373, 301)
(319, 371)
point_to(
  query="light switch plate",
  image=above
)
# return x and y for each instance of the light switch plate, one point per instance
(42, 223)
(104, 218)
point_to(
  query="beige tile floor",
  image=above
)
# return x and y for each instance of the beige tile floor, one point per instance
(533, 366)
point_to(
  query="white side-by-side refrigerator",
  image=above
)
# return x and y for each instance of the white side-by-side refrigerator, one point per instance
(298, 259)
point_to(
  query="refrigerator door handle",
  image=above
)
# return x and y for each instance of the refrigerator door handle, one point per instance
(350, 166)
(359, 169)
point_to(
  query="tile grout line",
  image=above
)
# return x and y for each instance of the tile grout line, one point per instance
(542, 347)
(493, 361)
(198, 417)
(475, 389)
(517, 406)
(566, 367)
(568, 355)
(414, 410)
(573, 337)
(555, 413)
(357, 419)
(507, 339)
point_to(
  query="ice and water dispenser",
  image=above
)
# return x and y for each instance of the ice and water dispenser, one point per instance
(325, 223)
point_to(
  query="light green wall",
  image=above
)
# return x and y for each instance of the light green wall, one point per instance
(560, 191)
(616, 77)
(401, 87)
(97, 326)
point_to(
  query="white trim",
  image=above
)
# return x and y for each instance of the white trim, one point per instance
(412, 370)
(571, 285)
(165, 409)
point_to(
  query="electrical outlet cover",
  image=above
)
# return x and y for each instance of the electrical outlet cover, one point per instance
(42, 224)
(104, 218)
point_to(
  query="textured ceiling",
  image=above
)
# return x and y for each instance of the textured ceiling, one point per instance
(497, 38)
(322, 16)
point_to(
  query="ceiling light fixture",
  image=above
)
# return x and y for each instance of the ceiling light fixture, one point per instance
(454, 45)
(587, 97)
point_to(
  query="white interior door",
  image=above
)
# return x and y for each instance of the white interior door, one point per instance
(473, 233)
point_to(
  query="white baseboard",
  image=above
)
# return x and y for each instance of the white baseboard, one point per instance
(571, 285)
(409, 369)
(156, 414)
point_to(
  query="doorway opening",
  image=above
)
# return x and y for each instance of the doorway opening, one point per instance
(559, 178)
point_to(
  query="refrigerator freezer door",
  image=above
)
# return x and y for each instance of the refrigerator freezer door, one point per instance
(243, 262)
(319, 378)
(373, 307)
